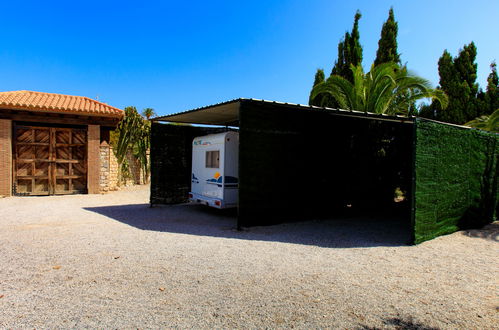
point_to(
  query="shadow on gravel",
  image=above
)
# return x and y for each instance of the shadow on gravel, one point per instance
(203, 221)
(489, 232)
(400, 324)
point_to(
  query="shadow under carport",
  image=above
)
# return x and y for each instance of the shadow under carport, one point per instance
(344, 232)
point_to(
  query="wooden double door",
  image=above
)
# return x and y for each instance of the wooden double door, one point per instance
(49, 160)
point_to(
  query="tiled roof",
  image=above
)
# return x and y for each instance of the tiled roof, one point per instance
(49, 102)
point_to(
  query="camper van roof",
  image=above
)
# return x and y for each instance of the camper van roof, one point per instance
(215, 135)
(227, 113)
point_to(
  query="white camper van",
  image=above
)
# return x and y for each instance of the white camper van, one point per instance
(215, 159)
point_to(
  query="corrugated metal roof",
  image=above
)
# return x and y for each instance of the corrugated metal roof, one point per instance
(227, 113)
(59, 103)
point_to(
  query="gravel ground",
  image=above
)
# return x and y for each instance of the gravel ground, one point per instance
(110, 261)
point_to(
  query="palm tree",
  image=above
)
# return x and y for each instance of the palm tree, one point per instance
(148, 113)
(386, 89)
(487, 123)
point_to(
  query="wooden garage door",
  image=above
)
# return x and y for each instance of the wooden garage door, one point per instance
(49, 160)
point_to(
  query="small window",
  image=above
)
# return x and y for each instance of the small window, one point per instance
(212, 159)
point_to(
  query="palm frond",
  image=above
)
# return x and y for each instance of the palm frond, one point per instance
(387, 88)
(487, 123)
(337, 87)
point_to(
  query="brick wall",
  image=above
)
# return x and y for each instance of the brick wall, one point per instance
(93, 159)
(5, 157)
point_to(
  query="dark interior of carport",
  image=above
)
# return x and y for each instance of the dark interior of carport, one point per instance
(295, 162)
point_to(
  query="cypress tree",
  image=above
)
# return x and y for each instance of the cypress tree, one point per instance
(492, 93)
(467, 69)
(450, 84)
(343, 47)
(426, 111)
(349, 51)
(387, 52)
(319, 78)
(355, 46)
(457, 80)
(387, 44)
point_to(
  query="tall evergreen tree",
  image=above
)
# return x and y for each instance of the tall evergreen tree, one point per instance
(427, 111)
(319, 78)
(450, 83)
(492, 93)
(387, 44)
(349, 51)
(458, 81)
(387, 52)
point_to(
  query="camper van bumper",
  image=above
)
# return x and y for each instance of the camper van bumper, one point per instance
(205, 200)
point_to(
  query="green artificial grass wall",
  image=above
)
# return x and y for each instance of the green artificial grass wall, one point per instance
(171, 161)
(303, 164)
(456, 171)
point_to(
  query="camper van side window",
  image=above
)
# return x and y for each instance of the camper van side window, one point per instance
(212, 159)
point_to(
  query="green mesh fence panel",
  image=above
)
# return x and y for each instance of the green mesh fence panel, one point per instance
(297, 164)
(456, 172)
(171, 161)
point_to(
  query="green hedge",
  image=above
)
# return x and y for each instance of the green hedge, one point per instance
(455, 179)
(297, 164)
(171, 161)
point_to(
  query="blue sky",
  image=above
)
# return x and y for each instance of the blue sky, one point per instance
(174, 56)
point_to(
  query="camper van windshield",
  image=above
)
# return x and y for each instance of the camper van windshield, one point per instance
(212, 159)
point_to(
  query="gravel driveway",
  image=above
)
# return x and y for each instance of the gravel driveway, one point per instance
(110, 261)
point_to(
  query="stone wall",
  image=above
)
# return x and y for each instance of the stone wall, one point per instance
(109, 175)
(104, 168)
(135, 170)
(111, 178)
(113, 170)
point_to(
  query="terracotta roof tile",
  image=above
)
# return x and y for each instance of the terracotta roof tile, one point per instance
(49, 102)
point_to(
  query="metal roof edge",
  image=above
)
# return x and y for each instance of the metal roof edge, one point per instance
(339, 111)
(163, 118)
(455, 125)
(444, 123)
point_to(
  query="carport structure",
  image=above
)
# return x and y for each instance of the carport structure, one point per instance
(301, 162)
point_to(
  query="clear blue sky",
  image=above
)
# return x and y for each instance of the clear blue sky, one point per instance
(174, 56)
